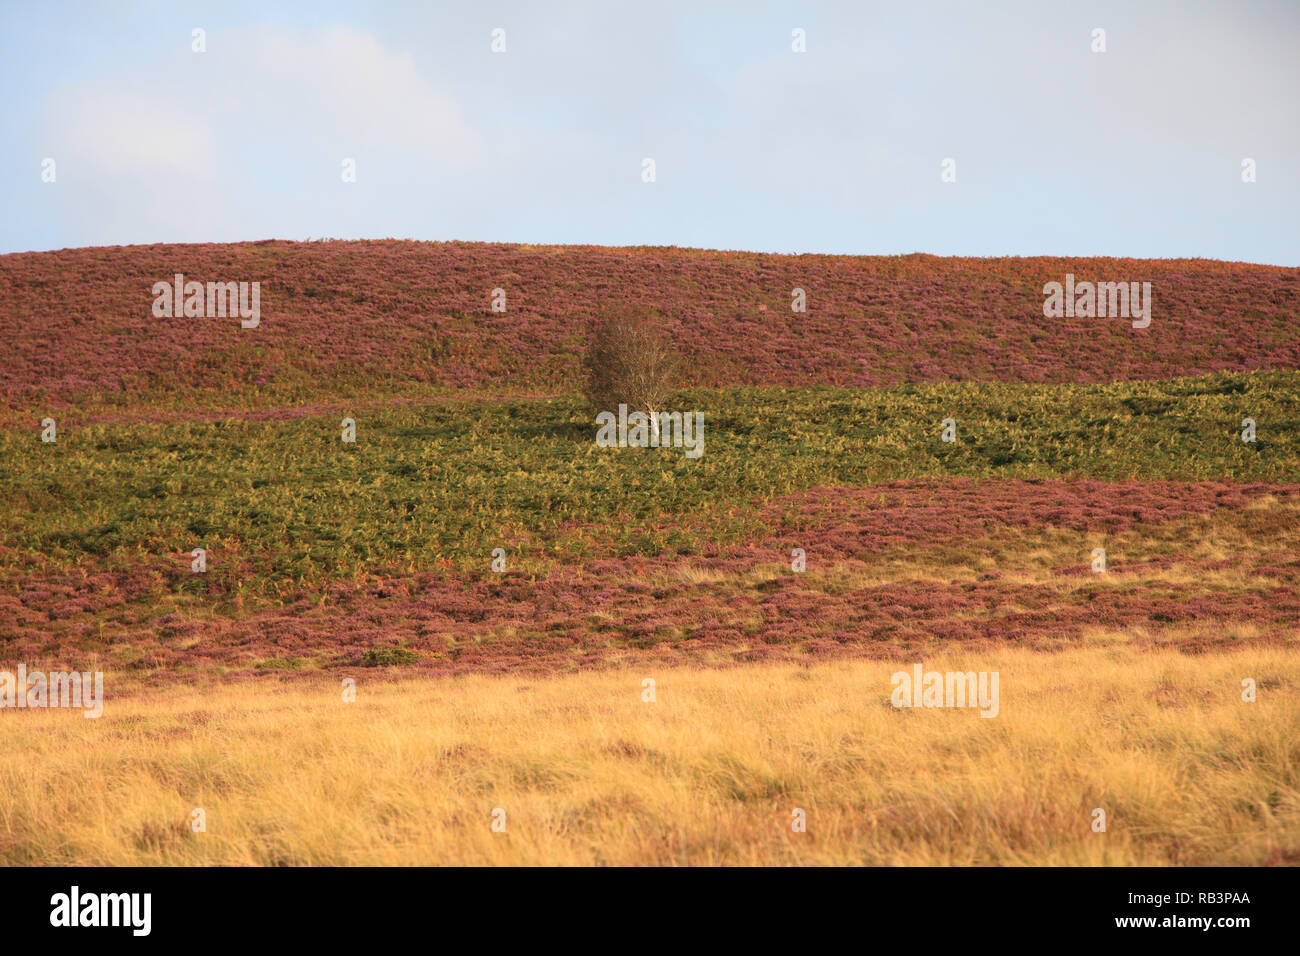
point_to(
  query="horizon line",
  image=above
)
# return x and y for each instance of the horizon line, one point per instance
(632, 247)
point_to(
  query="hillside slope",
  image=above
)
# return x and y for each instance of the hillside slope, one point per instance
(351, 319)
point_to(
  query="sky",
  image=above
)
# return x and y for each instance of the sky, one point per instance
(1056, 148)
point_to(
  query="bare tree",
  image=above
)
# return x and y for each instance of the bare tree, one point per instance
(630, 360)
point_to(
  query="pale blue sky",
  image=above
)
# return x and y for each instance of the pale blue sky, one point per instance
(1133, 152)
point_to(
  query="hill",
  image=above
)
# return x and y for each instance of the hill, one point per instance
(346, 320)
(823, 434)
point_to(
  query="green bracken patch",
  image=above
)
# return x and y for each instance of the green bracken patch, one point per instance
(284, 506)
(388, 657)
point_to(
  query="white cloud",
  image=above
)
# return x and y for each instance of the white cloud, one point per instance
(338, 89)
(350, 89)
(124, 133)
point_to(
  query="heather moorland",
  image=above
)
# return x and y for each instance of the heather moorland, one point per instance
(920, 467)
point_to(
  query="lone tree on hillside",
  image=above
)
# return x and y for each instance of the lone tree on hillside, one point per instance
(630, 360)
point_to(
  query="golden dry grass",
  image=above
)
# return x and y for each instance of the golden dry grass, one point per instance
(709, 773)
